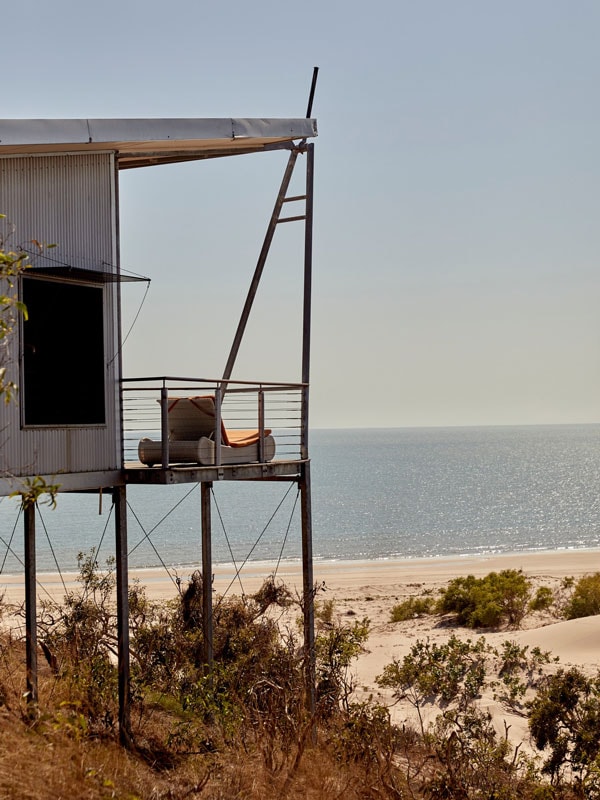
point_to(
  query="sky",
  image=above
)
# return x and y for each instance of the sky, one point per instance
(457, 195)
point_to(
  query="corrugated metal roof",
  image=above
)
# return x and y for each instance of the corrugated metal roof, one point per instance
(143, 142)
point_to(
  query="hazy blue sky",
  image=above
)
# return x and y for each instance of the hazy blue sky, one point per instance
(457, 193)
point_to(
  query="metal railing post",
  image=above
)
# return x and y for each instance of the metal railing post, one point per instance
(304, 423)
(164, 426)
(218, 393)
(261, 425)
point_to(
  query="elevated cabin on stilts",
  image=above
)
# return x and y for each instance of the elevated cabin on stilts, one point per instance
(59, 183)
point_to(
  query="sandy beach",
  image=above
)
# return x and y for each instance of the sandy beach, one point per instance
(371, 588)
(346, 581)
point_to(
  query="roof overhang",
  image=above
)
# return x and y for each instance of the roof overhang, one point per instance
(65, 272)
(144, 142)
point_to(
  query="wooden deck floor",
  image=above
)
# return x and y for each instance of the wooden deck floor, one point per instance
(138, 473)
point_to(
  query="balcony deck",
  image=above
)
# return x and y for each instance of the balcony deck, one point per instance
(259, 406)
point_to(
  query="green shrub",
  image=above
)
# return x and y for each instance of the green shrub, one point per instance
(411, 608)
(79, 640)
(564, 721)
(450, 673)
(324, 612)
(519, 669)
(473, 761)
(585, 600)
(489, 602)
(542, 600)
(336, 646)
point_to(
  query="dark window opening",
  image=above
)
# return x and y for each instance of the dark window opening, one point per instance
(63, 354)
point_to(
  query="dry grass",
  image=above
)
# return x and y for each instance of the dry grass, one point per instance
(50, 756)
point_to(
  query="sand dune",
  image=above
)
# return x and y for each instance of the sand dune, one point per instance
(575, 641)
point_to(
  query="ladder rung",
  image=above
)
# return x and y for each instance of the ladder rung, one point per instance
(291, 219)
(292, 199)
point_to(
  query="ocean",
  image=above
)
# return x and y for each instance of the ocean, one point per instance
(377, 494)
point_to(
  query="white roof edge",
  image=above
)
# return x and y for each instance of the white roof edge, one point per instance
(64, 132)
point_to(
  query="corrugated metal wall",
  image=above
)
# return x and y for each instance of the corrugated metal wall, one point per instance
(64, 200)
(68, 200)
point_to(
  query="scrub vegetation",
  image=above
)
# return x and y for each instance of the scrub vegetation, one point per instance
(243, 729)
(585, 599)
(503, 599)
(12, 264)
(498, 599)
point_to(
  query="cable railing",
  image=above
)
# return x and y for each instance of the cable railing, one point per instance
(274, 412)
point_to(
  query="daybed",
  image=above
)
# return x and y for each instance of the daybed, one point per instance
(192, 423)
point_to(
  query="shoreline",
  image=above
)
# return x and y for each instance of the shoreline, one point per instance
(334, 574)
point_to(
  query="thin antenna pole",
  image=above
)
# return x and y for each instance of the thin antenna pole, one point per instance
(239, 334)
(311, 96)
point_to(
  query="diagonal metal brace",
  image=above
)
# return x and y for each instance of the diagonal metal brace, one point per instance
(262, 258)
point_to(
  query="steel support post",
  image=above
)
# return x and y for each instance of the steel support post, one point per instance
(30, 604)
(308, 591)
(305, 493)
(308, 248)
(207, 622)
(307, 302)
(120, 501)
